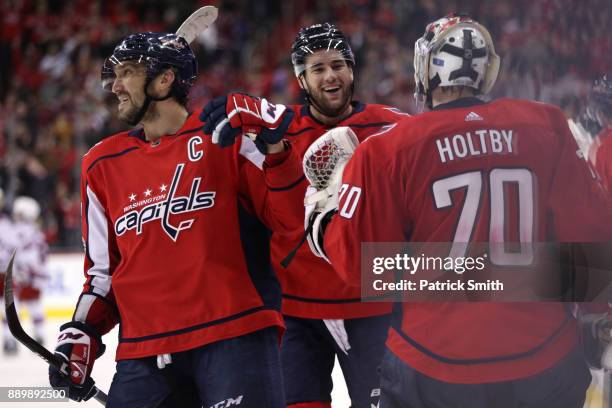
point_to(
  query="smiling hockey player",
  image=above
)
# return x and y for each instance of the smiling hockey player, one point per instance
(325, 318)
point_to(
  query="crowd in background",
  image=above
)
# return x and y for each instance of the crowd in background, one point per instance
(52, 106)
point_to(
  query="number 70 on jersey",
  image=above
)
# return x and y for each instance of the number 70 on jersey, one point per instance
(473, 182)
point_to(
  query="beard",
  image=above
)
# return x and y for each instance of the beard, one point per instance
(332, 108)
(131, 114)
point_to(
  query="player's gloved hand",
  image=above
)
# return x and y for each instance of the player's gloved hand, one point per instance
(316, 216)
(338, 332)
(78, 345)
(324, 163)
(230, 116)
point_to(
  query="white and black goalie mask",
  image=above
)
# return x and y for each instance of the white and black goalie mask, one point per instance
(454, 51)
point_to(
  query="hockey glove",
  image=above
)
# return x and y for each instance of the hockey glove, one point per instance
(316, 218)
(324, 163)
(235, 114)
(78, 345)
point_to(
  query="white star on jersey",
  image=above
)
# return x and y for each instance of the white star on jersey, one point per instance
(132, 197)
(163, 188)
(147, 192)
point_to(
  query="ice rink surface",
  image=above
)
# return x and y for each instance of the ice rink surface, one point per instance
(25, 369)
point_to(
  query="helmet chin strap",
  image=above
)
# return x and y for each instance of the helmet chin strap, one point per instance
(311, 101)
(433, 84)
(145, 106)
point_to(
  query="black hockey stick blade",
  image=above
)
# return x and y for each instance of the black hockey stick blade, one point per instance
(17, 331)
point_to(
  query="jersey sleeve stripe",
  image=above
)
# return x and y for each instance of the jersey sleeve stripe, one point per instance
(299, 132)
(84, 306)
(288, 187)
(97, 245)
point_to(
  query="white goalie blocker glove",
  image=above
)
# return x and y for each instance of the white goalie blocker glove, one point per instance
(323, 163)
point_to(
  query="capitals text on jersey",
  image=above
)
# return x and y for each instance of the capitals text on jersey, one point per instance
(197, 200)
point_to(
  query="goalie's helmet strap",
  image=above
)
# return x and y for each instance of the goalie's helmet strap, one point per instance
(467, 54)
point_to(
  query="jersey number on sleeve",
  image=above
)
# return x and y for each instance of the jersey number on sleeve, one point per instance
(473, 181)
(352, 199)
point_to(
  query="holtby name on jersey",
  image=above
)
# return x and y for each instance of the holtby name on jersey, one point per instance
(477, 143)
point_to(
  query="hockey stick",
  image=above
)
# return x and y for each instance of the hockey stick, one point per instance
(17, 331)
(197, 22)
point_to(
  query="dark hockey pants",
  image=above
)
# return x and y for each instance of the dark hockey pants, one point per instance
(243, 372)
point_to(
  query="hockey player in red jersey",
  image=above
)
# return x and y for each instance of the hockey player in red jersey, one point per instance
(456, 174)
(324, 317)
(177, 250)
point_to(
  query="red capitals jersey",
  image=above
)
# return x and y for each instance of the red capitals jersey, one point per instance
(448, 176)
(175, 251)
(310, 287)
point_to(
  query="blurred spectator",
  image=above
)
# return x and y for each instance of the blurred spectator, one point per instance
(52, 108)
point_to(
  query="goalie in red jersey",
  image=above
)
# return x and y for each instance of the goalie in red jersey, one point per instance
(468, 171)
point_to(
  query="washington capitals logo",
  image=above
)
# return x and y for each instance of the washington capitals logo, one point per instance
(196, 200)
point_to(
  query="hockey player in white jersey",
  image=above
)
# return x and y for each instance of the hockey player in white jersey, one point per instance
(24, 235)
